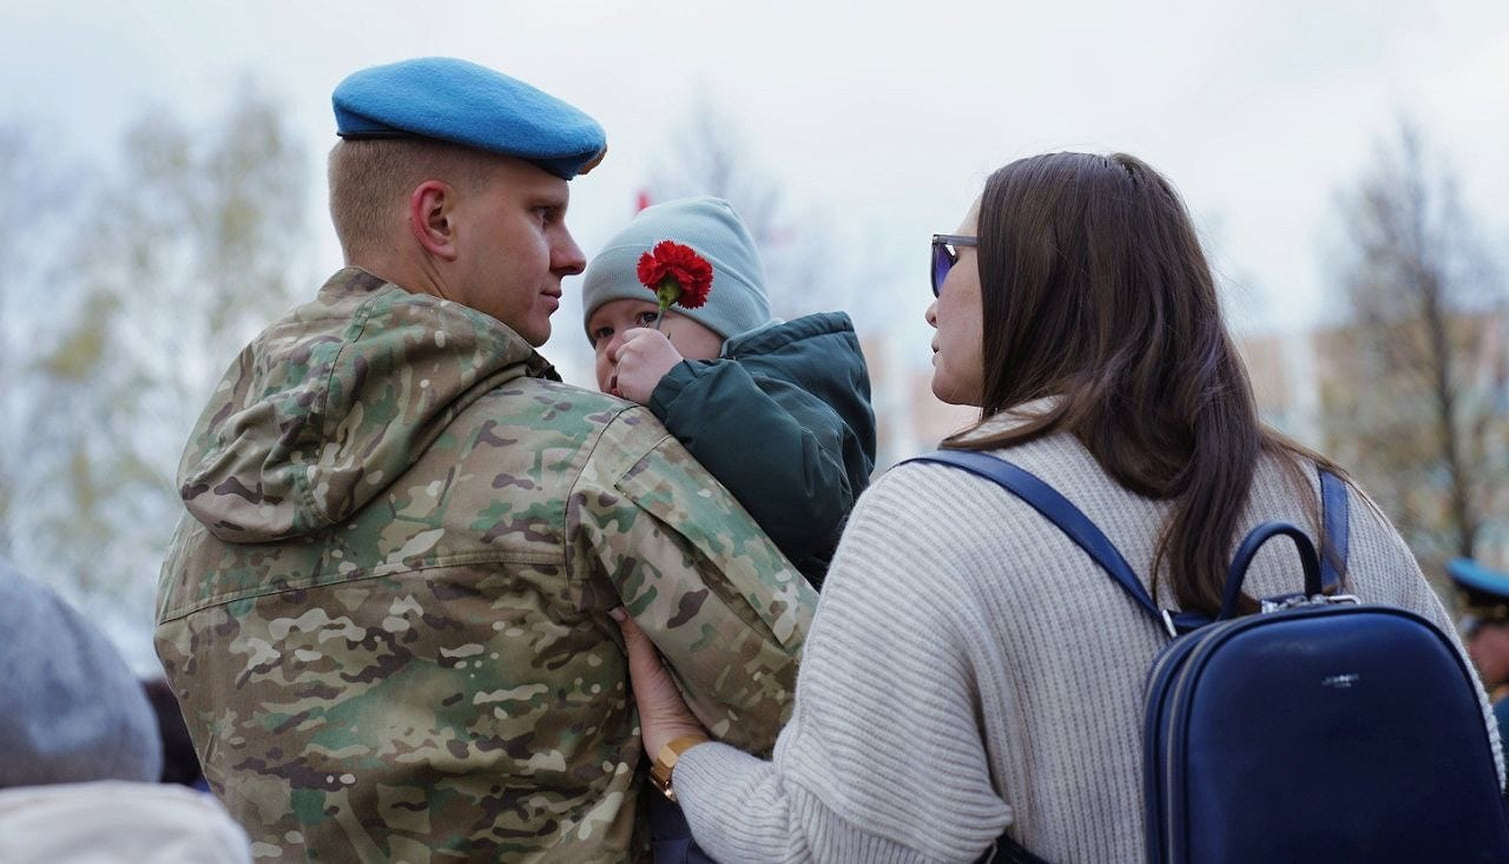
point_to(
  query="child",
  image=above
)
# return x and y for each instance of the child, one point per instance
(778, 412)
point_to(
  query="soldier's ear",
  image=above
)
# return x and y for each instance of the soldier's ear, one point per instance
(432, 218)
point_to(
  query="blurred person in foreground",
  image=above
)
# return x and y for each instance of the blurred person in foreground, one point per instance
(943, 694)
(778, 411)
(180, 764)
(80, 754)
(386, 610)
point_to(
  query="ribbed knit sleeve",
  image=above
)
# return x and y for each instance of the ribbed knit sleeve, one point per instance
(884, 756)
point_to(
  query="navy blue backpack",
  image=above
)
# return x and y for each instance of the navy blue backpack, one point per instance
(1320, 729)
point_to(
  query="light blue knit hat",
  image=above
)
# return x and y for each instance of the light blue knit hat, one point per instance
(737, 302)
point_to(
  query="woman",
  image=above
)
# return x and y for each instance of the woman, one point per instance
(969, 668)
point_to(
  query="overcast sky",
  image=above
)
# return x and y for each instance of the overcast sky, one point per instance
(881, 117)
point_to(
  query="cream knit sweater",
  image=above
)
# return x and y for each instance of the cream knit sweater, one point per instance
(970, 668)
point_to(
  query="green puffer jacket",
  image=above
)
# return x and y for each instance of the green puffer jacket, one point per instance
(783, 420)
(386, 611)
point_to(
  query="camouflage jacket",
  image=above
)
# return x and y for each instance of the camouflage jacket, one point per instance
(386, 611)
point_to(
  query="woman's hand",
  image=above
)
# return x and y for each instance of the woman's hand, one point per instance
(642, 359)
(663, 715)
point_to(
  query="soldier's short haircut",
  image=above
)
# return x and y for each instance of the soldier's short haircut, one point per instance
(370, 182)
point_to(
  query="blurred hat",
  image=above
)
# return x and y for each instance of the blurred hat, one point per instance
(111, 822)
(71, 710)
(1483, 594)
(737, 302)
(463, 103)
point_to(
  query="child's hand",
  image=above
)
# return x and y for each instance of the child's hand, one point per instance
(641, 360)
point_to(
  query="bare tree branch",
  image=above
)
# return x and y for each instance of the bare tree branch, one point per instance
(1420, 393)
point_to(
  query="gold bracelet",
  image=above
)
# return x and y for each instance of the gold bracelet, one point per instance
(665, 762)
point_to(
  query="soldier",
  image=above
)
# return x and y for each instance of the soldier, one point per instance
(386, 610)
(1483, 596)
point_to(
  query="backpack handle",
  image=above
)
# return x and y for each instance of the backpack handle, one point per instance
(1237, 573)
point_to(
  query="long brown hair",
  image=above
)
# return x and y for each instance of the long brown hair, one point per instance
(1095, 289)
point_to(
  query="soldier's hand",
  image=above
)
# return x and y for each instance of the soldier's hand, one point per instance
(642, 358)
(663, 715)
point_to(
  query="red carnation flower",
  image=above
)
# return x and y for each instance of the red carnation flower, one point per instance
(677, 274)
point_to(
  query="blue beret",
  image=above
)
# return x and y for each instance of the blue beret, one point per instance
(463, 103)
(1484, 593)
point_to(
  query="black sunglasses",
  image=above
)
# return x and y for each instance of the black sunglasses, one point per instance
(945, 255)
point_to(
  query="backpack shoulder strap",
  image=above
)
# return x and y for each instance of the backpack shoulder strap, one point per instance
(1056, 509)
(1335, 517)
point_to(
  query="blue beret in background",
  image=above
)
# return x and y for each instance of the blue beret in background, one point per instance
(463, 103)
(1484, 593)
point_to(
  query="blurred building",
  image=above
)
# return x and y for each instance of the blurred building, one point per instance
(909, 418)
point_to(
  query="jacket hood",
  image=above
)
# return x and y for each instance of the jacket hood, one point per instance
(331, 404)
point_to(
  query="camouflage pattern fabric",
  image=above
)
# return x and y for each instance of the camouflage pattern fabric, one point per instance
(386, 611)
